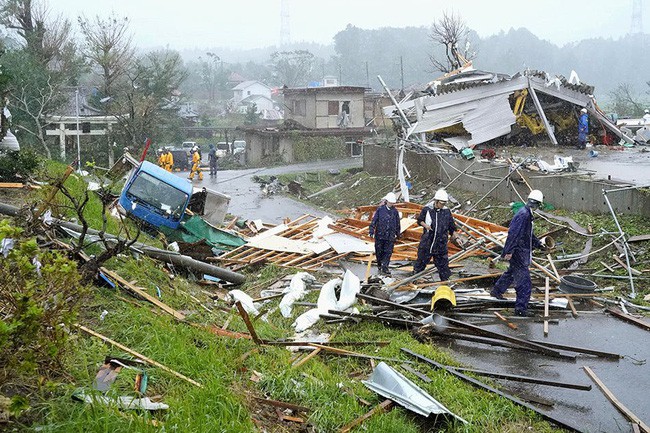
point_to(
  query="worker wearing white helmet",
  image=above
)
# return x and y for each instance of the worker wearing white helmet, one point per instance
(385, 229)
(646, 117)
(196, 164)
(583, 129)
(518, 251)
(438, 224)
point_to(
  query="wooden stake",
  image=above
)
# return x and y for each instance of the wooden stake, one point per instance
(381, 407)
(137, 355)
(620, 406)
(369, 267)
(510, 324)
(546, 308)
(574, 312)
(550, 260)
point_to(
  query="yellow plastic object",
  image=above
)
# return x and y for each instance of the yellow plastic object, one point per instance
(443, 292)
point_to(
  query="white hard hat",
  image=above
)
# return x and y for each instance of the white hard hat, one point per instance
(584, 110)
(646, 111)
(390, 197)
(441, 195)
(536, 195)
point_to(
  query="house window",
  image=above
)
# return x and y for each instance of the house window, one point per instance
(248, 92)
(299, 107)
(333, 108)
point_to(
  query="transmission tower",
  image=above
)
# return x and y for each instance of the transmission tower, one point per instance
(637, 17)
(285, 32)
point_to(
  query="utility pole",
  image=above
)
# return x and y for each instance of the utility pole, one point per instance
(285, 32)
(76, 97)
(340, 75)
(401, 67)
(367, 76)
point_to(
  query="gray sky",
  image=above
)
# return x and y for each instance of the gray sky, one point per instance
(188, 24)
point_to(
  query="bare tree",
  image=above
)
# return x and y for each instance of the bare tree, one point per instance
(44, 35)
(108, 46)
(451, 32)
(292, 68)
(625, 102)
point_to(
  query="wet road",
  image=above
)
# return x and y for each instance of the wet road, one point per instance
(627, 378)
(247, 199)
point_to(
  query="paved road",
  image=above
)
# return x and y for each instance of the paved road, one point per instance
(247, 199)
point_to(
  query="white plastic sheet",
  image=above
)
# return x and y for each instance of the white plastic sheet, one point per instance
(295, 292)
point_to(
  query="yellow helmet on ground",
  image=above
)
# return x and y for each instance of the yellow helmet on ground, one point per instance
(447, 295)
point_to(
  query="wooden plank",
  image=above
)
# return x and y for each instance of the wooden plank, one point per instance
(140, 292)
(550, 260)
(631, 269)
(282, 404)
(609, 268)
(137, 355)
(527, 379)
(546, 308)
(381, 407)
(617, 404)
(574, 312)
(628, 317)
(638, 238)
(510, 324)
(249, 325)
(11, 185)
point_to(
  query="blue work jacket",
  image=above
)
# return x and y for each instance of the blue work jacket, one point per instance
(442, 226)
(385, 223)
(521, 239)
(583, 126)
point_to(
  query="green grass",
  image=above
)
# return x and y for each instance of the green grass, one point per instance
(223, 404)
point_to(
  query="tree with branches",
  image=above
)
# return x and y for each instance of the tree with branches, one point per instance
(451, 33)
(292, 68)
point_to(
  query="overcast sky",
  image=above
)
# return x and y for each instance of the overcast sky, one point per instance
(188, 24)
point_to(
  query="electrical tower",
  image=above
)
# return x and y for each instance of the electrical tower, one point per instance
(637, 17)
(285, 32)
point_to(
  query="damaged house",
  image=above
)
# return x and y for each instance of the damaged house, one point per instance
(471, 107)
(321, 123)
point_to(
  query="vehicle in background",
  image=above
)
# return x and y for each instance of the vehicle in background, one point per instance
(222, 149)
(238, 146)
(188, 144)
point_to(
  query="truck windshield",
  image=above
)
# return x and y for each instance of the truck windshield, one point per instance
(158, 194)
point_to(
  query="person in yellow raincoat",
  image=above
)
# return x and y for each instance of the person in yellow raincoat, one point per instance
(196, 164)
(168, 160)
(161, 157)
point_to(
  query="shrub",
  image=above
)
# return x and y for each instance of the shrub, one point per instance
(40, 295)
(17, 166)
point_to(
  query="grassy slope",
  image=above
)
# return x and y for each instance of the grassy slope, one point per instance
(217, 363)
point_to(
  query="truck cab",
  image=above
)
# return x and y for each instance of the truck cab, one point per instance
(156, 196)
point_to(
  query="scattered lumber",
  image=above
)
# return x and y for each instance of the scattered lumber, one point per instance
(612, 398)
(381, 407)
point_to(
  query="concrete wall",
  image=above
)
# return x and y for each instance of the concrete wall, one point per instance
(563, 192)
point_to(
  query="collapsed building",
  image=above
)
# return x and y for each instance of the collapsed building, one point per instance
(469, 107)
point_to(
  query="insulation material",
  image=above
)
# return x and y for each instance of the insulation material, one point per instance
(245, 300)
(295, 292)
(350, 286)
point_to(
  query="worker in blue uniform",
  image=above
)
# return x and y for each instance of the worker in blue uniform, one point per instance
(583, 129)
(518, 251)
(385, 229)
(439, 225)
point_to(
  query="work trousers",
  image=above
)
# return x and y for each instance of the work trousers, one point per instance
(213, 168)
(383, 251)
(441, 260)
(519, 274)
(196, 168)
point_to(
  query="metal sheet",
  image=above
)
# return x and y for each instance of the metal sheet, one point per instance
(391, 384)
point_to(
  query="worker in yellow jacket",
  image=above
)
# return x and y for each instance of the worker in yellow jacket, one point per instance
(168, 160)
(161, 157)
(196, 163)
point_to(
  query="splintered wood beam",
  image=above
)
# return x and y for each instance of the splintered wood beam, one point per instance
(249, 325)
(617, 404)
(138, 355)
(381, 407)
(282, 404)
(629, 318)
